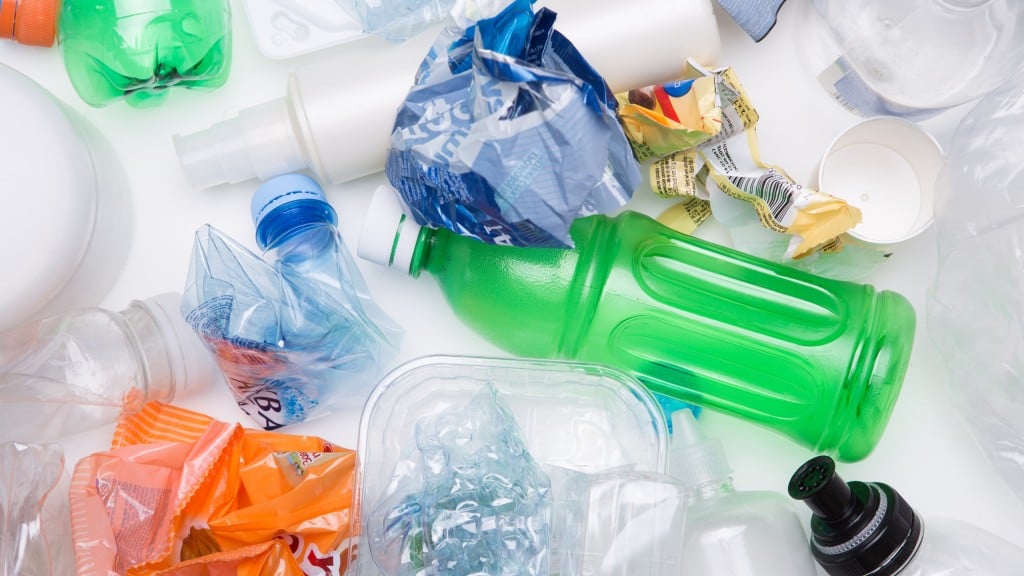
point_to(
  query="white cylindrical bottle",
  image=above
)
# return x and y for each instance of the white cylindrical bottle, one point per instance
(337, 117)
(730, 532)
(80, 370)
(868, 529)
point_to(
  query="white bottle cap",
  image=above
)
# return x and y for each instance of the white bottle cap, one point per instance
(177, 359)
(886, 167)
(258, 143)
(48, 193)
(694, 459)
(389, 234)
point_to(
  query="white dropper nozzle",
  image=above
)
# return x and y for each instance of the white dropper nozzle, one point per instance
(694, 459)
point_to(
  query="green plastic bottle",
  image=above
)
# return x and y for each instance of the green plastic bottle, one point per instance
(819, 360)
(137, 49)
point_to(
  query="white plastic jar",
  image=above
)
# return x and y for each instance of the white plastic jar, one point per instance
(49, 195)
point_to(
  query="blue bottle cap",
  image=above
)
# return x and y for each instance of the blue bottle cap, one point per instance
(677, 89)
(286, 202)
(281, 190)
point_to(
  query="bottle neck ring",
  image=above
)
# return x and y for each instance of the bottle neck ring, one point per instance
(281, 223)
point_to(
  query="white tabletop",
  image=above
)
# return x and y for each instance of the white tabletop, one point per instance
(926, 452)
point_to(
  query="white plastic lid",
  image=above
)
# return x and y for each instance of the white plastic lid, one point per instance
(389, 235)
(48, 193)
(190, 365)
(886, 167)
(694, 459)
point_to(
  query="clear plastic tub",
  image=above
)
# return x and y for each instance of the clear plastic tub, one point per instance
(573, 417)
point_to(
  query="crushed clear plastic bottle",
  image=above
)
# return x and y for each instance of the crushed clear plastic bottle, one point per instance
(296, 333)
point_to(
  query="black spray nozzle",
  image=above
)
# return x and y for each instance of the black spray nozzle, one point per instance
(824, 492)
(858, 528)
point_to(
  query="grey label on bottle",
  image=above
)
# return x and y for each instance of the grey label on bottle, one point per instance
(850, 89)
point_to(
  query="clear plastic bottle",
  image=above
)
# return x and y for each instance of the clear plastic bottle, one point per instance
(868, 529)
(730, 532)
(912, 57)
(819, 360)
(138, 49)
(80, 370)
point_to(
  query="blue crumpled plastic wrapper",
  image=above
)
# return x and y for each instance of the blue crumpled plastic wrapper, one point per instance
(292, 347)
(508, 134)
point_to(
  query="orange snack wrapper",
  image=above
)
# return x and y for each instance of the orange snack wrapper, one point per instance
(181, 494)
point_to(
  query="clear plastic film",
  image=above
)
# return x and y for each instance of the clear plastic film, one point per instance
(508, 134)
(976, 307)
(469, 498)
(292, 343)
(35, 530)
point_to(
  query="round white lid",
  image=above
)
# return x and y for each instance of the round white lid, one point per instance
(48, 193)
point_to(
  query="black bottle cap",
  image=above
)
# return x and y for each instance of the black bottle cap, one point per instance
(858, 528)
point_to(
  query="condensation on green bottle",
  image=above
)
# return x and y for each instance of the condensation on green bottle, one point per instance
(138, 49)
(819, 360)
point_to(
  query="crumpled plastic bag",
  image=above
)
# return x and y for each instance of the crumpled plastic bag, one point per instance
(35, 531)
(180, 494)
(975, 307)
(291, 347)
(508, 135)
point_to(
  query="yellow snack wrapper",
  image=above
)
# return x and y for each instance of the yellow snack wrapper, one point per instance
(703, 131)
(180, 494)
(660, 120)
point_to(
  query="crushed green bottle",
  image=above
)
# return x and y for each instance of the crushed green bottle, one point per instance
(138, 49)
(821, 361)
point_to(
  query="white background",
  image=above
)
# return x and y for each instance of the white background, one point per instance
(926, 452)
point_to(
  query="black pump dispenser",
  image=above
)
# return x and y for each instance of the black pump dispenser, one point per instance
(859, 529)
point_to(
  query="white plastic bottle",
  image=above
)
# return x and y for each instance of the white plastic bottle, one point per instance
(912, 57)
(868, 529)
(729, 532)
(76, 371)
(337, 117)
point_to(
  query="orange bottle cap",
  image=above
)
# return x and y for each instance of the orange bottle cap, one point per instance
(31, 22)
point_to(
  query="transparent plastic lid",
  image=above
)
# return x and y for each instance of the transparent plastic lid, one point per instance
(572, 416)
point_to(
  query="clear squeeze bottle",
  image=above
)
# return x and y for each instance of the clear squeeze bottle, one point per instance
(137, 49)
(80, 370)
(730, 532)
(819, 360)
(868, 529)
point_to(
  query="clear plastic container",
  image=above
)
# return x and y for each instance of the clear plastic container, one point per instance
(574, 418)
